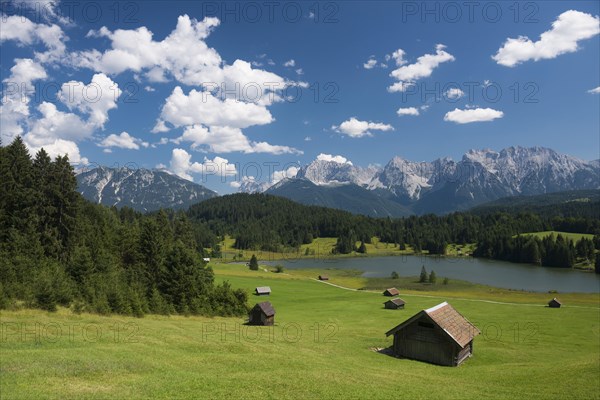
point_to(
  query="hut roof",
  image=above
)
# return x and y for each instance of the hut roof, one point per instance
(555, 300)
(323, 277)
(451, 321)
(393, 291)
(263, 289)
(397, 301)
(266, 307)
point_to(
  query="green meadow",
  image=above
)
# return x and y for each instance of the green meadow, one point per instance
(324, 345)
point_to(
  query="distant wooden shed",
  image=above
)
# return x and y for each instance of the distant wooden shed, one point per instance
(391, 292)
(554, 303)
(394, 304)
(323, 278)
(438, 335)
(262, 291)
(262, 314)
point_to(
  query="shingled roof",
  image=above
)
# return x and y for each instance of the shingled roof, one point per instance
(262, 289)
(449, 320)
(397, 301)
(266, 307)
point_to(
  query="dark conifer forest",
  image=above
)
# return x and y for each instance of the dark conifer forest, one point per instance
(58, 249)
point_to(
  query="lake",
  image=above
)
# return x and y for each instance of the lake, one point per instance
(488, 272)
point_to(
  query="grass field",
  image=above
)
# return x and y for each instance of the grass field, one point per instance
(572, 236)
(322, 247)
(321, 347)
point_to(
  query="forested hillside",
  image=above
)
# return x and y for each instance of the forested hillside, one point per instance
(263, 222)
(58, 249)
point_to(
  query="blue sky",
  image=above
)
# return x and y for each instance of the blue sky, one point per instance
(161, 68)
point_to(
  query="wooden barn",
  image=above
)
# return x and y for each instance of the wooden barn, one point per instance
(262, 291)
(391, 292)
(262, 314)
(438, 335)
(323, 278)
(554, 303)
(394, 304)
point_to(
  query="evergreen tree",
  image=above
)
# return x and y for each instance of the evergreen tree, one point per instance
(432, 277)
(253, 263)
(395, 275)
(423, 276)
(362, 248)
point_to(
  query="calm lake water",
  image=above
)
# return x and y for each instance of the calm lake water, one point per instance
(489, 272)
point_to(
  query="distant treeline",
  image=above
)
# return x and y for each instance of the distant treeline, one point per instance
(269, 223)
(58, 249)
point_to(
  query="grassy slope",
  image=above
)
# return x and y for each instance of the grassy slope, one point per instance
(573, 236)
(321, 247)
(555, 354)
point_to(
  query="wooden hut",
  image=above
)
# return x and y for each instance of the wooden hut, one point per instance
(438, 335)
(262, 291)
(554, 303)
(323, 278)
(262, 314)
(391, 292)
(394, 304)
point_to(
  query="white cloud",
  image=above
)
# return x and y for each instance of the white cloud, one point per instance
(408, 111)
(337, 159)
(95, 99)
(124, 141)
(398, 57)
(371, 63)
(204, 108)
(567, 30)
(594, 91)
(423, 68)
(214, 124)
(300, 71)
(60, 147)
(307, 139)
(27, 33)
(288, 173)
(454, 93)
(356, 129)
(181, 164)
(472, 115)
(149, 89)
(18, 89)
(290, 63)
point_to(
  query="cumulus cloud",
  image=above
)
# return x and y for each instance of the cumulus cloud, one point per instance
(567, 31)
(290, 63)
(406, 75)
(214, 124)
(472, 115)
(371, 63)
(454, 93)
(27, 33)
(356, 128)
(181, 165)
(337, 159)
(124, 141)
(408, 111)
(287, 173)
(594, 91)
(95, 99)
(18, 89)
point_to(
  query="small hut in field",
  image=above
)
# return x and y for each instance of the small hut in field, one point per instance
(554, 303)
(323, 278)
(391, 292)
(262, 291)
(438, 335)
(262, 314)
(394, 304)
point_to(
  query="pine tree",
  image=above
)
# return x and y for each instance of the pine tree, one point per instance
(432, 277)
(362, 248)
(253, 263)
(423, 276)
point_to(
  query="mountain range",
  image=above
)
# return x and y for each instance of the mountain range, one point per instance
(141, 189)
(399, 188)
